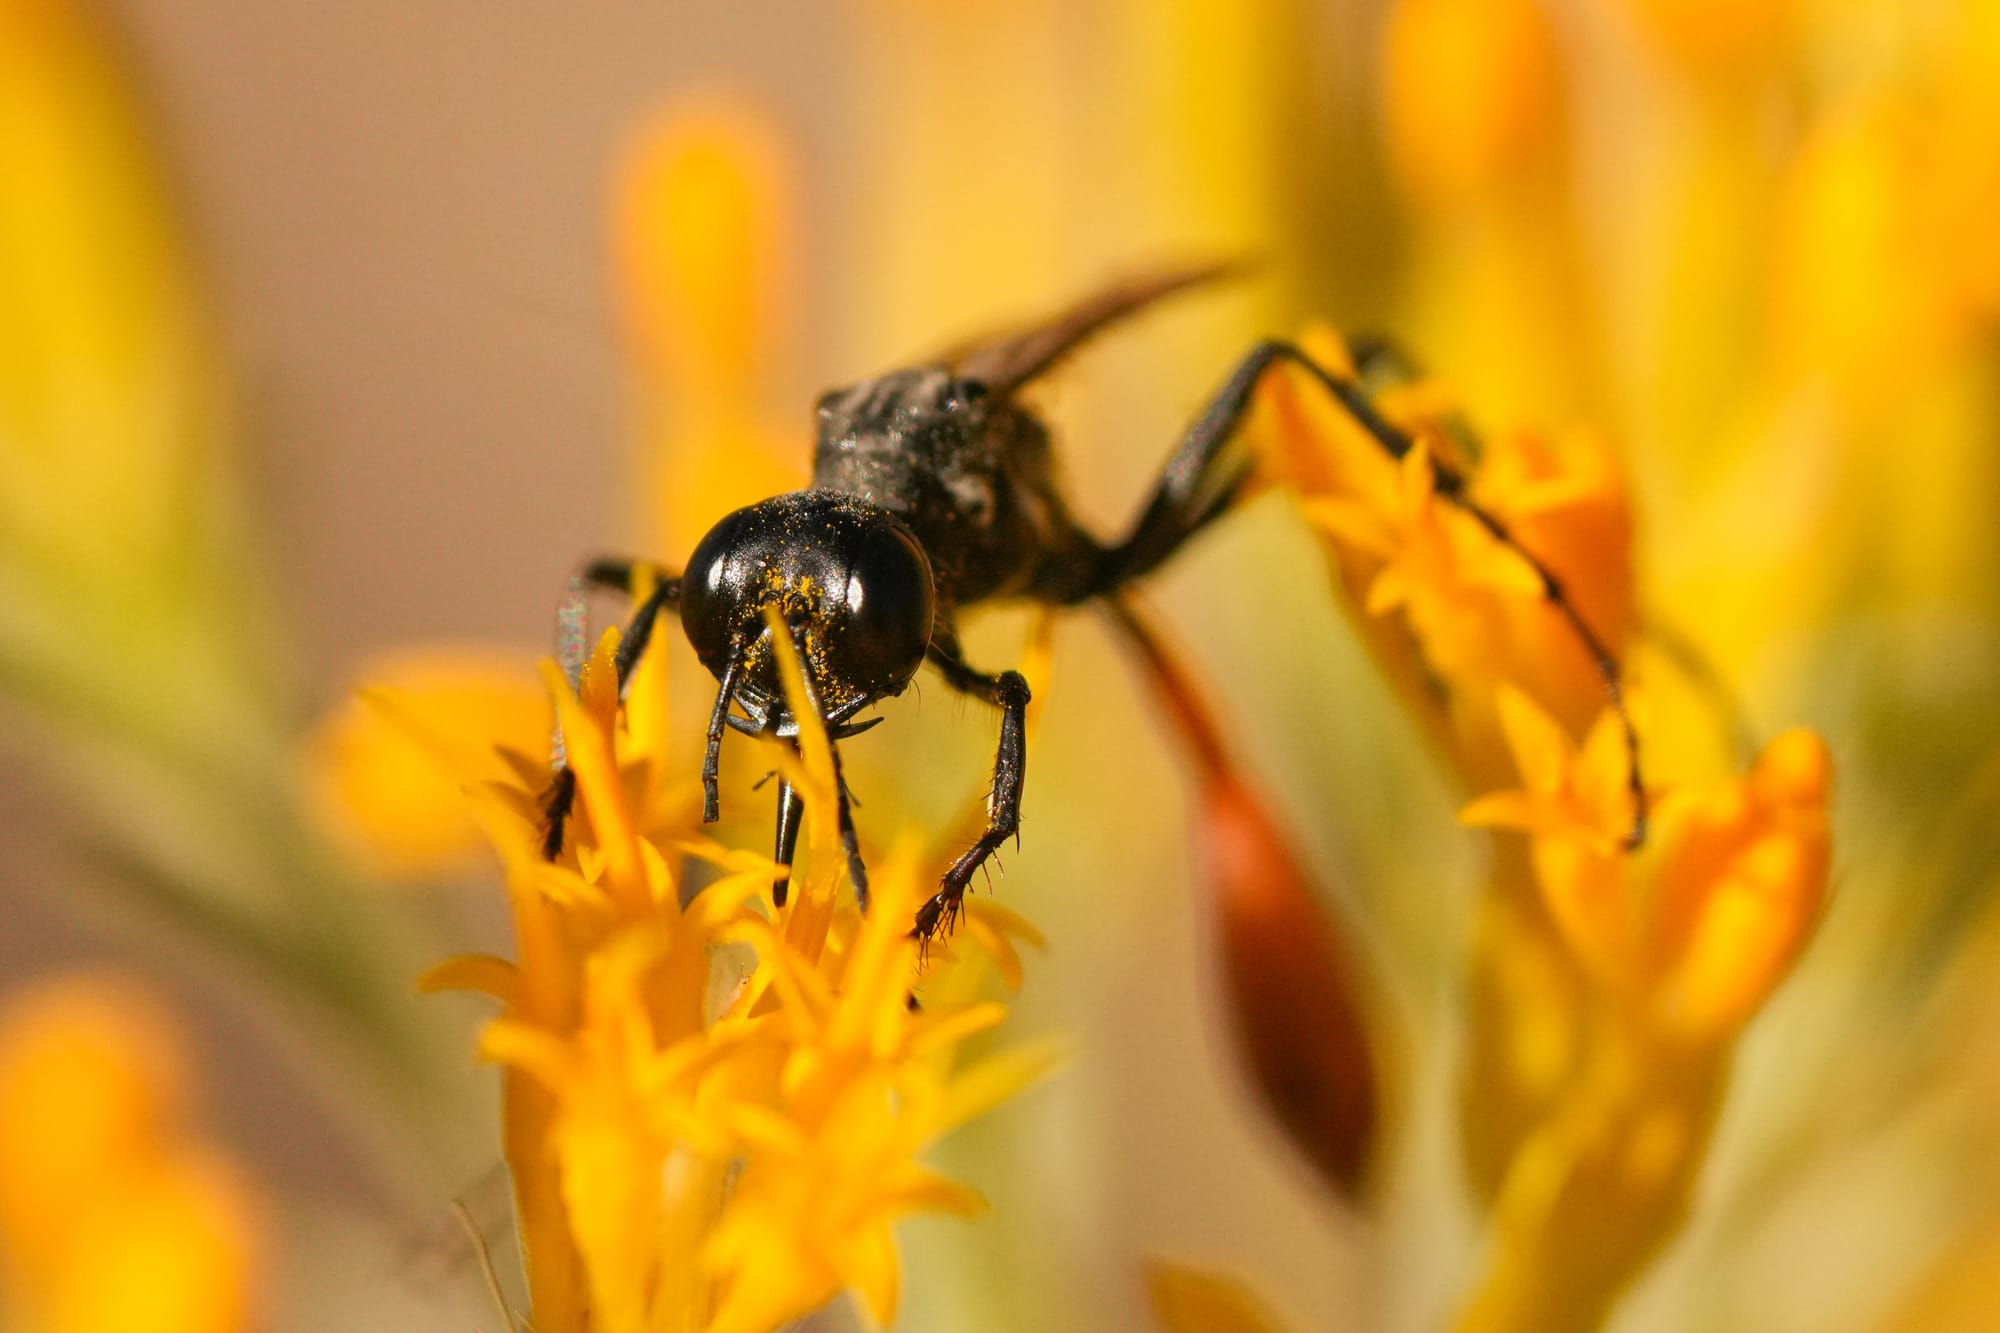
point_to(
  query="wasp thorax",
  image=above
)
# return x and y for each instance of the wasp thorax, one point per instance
(848, 574)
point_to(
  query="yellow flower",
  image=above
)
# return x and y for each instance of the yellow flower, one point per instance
(1607, 986)
(1575, 804)
(861, 1092)
(1684, 941)
(1442, 601)
(714, 1108)
(114, 1214)
(1699, 929)
(1741, 884)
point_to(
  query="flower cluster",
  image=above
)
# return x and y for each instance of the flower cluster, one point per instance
(115, 1213)
(714, 1109)
(1608, 983)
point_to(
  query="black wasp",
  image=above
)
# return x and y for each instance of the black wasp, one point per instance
(934, 490)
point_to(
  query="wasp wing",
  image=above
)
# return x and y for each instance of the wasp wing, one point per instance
(1005, 364)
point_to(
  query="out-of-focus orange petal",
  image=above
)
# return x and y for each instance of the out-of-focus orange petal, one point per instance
(702, 234)
(388, 770)
(703, 240)
(173, 1256)
(1854, 299)
(107, 390)
(92, 1080)
(1740, 896)
(1729, 39)
(1188, 1301)
(479, 972)
(1598, 1187)
(112, 1215)
(1473, 93)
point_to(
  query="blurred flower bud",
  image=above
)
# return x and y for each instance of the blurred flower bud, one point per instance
(1295, 1011)
(702, 219)
(1741, 888)
(1293, 1002)
(1729, 39)
(1474, 95)
(1856, 290)
(112, 1214)
(702, 215)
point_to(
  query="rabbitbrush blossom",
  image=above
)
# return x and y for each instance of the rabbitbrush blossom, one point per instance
(116, 1213)
(715, 1110)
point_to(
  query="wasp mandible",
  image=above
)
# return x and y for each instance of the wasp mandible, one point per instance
(934, 490)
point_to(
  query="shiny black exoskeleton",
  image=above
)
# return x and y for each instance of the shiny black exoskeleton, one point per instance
(934, 490)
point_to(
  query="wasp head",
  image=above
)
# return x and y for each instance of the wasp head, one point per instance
(846, 575)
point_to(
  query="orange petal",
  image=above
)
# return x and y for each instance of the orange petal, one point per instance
(1474, 92)
(388, 770)
(1188, 1301)
(478, 972)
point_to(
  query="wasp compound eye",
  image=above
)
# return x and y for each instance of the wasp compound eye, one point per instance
(880, 623)
(717, 599)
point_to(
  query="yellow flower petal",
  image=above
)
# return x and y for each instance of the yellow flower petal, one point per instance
(993, 1080)
(1474, 92)
(875, 1273)
(588, 745)
(1542, 753)
(1741, 893)
(610, 1184)
(539, 1054)
(1186, 1300)
(388, 769)
(1501, 809)
(475, 972)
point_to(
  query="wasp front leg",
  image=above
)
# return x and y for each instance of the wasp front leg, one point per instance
(601, 575)
(1009, 691)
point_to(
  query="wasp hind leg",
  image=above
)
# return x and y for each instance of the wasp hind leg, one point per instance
(601, 575)
(1209, 468)
(1009, 691)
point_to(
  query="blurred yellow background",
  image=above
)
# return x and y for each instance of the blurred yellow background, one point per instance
(413, 305)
